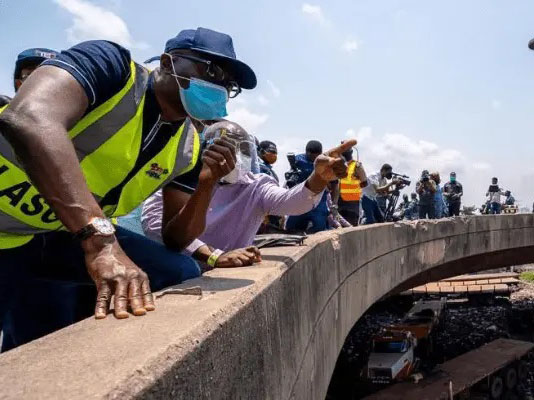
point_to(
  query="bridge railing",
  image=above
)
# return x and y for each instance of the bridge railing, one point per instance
(269, 331)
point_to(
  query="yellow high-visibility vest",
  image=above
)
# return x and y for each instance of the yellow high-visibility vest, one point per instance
(350, 189)
(108, 142)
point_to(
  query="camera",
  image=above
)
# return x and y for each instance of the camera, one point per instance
(293, 176)
(425, 177)
(404, 180)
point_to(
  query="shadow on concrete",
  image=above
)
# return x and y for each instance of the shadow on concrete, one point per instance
(215, 284)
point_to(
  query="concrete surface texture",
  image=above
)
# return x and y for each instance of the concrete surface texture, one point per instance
(272, 331)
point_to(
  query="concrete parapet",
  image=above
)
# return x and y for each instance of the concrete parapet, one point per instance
(271, 331)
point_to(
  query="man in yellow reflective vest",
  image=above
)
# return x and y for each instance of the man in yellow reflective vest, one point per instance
(350, 189)
(88, 137)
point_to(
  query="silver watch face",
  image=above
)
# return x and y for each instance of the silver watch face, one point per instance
(103, 226)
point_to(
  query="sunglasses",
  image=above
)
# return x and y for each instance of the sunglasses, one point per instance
(215, 73)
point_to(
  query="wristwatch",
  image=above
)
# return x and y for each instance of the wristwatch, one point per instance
(96, 226)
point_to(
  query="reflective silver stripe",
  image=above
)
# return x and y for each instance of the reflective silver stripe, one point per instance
(185, 150)
(85, 142)
(96, 134)
(13, 225)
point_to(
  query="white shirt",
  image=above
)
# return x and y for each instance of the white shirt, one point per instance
(495, 197)
(373, 181)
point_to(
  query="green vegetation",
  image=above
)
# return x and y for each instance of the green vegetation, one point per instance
(527, 276)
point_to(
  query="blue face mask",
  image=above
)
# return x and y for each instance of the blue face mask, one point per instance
(204, 100)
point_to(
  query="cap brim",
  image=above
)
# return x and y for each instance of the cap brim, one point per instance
(243, 74)
(31, 60)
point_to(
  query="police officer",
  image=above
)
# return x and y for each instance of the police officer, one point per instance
(89, 136)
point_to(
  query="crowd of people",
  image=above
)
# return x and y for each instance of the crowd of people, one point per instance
(92, 136)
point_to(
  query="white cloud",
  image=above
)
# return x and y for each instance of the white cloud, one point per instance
(264, 101)
(248, 119)
(315, 13)
(274, 89)
(481, 166)
(93, 22)
(350, 45)
(363, 134)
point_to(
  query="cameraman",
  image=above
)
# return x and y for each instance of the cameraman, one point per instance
(303, 168)
(376, 183)
(494, 194)
(426, 188)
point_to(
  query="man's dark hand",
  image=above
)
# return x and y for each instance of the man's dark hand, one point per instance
(116, 275)
(218, 160)
(331, 165)
(239, 257)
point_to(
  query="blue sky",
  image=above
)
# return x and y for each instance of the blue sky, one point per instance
(438, 85)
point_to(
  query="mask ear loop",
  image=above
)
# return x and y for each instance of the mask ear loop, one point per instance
(176, 76)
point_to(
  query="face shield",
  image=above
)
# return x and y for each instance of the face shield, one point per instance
(245, 146)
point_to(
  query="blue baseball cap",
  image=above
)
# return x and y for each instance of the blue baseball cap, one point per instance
(33, 56)
(217, 46)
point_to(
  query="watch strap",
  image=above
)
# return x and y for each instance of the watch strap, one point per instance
(96, 226)
(84, 233)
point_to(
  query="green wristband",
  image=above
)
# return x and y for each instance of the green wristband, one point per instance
(212, 260)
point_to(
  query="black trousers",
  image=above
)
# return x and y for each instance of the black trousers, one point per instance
(427, 211)
(454, 209)
(350, 210)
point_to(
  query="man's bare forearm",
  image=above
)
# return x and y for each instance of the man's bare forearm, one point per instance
(49, 159)
(190, 221)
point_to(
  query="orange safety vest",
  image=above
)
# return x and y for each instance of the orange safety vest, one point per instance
(350, 189)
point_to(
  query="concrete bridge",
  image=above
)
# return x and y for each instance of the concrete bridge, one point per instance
(272, 331)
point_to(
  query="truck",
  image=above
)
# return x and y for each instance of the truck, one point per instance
(392, 357)
(395, 350)
(493, 370)
(422, 319)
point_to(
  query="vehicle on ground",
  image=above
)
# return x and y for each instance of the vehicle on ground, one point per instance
(422, 319)
(392, 357)
(493, 371)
